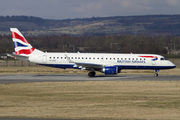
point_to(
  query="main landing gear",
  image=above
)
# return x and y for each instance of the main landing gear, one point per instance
(91, 74)
(156, 73)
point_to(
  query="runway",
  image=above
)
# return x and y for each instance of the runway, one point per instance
(7, 79)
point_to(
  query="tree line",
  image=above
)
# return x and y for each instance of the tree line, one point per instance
(98, 44)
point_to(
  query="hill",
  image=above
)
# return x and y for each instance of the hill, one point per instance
(152, 25)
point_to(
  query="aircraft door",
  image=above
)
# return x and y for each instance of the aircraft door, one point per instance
(153, 62)
(44, 58)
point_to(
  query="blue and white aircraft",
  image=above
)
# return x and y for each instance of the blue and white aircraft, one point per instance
(109, 63)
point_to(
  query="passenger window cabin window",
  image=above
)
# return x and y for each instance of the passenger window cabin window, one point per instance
(78, 57)
(57, 57)
(98, 58)
(82, 58)
(64, 57)
(61, 57)
(114, 58)
(121, 58)
(71, 57)
(94, 58)
(49, 57)
(129, 58)
(136, 58)
(90, 58)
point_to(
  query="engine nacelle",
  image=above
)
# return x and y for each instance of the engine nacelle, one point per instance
(110, 70)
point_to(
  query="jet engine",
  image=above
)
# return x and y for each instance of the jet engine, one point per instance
(110, 70)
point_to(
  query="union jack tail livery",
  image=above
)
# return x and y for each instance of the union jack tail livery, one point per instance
(21, 45)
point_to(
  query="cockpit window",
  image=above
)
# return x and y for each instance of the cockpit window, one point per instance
(164, 59)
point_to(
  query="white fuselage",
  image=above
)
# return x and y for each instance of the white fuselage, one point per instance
(122, 61)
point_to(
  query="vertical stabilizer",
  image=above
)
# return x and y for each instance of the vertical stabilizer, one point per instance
(21, 45)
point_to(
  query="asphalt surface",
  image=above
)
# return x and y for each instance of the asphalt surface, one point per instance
(7, 79)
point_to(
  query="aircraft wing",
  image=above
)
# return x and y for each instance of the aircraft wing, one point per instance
(89, 65)
(85, 65)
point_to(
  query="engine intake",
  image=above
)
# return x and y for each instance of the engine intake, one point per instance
(110, 70)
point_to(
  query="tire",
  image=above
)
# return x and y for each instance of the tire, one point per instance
(156, 74)
(91, 74)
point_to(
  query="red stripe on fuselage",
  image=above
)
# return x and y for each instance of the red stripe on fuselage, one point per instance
(148, 56)
(25, 51)
(17, 36)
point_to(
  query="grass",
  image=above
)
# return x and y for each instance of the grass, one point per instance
(107, 100)
(38, 70)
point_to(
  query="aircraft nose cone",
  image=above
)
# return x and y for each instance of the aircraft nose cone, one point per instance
(172, 65)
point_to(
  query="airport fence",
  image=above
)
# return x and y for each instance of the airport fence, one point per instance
(9, 62)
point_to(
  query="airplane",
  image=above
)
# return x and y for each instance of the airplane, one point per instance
(107, 63)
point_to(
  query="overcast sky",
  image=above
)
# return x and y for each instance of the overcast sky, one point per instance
(64, 9)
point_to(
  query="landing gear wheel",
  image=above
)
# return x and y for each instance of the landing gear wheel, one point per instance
(156, 74)
(91, 74)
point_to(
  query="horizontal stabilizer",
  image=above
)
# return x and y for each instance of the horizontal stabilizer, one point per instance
(20, 57)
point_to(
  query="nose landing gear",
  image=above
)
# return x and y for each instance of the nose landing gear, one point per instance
(156, 73)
